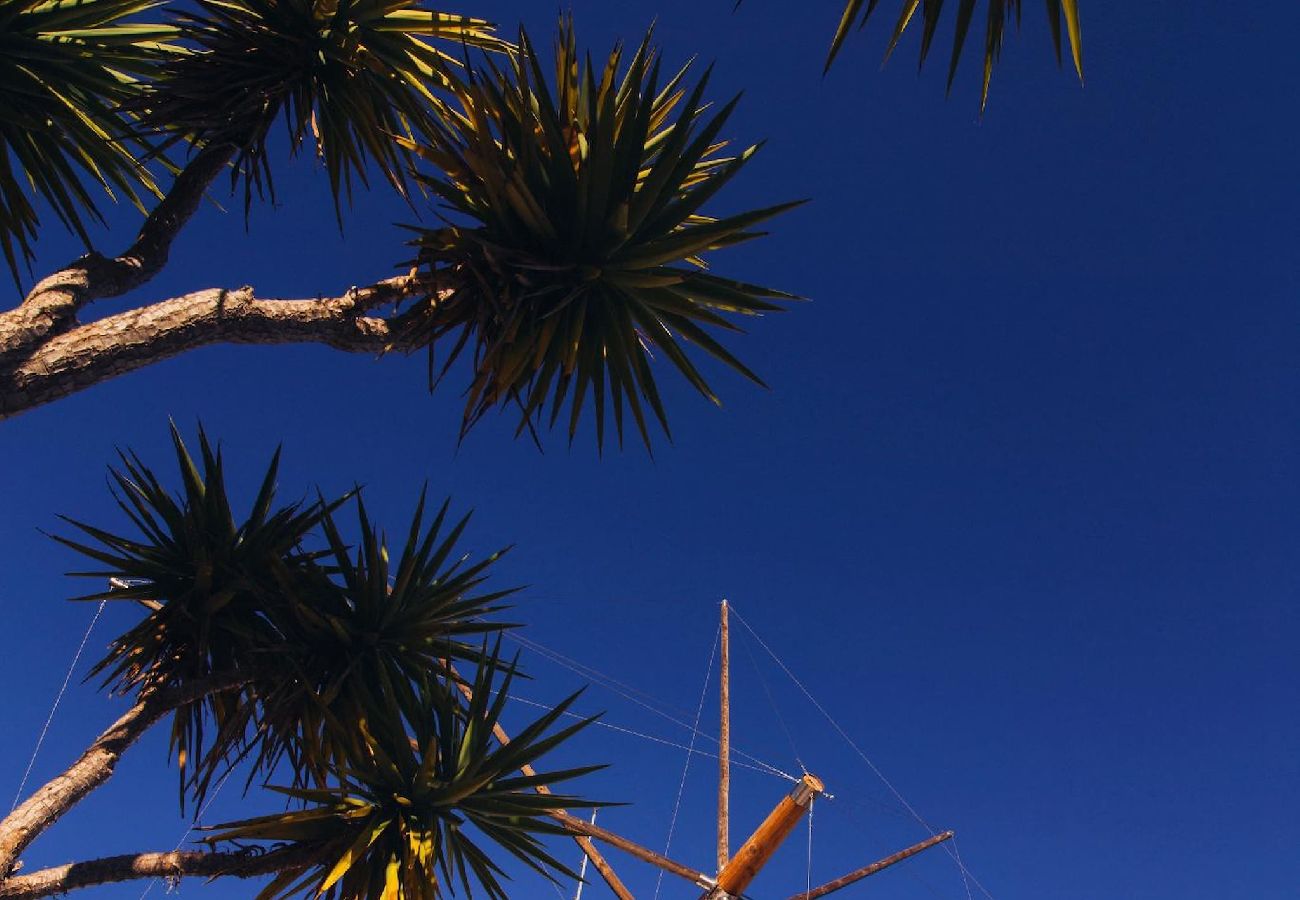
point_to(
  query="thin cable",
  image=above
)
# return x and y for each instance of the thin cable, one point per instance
(961, 868)
(776, 710)
(858, 750)
(681, 786)
(595, 674)
(582, 870)
(194, 824)
(76, 657)
(762, 768)
(628, 694)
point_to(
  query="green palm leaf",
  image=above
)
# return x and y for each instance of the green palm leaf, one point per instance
(66, 66)
(206, 582)
(325, 637)
(363, 639)
(408, 810)
(997, 14)
(581, 249)
(350, 74)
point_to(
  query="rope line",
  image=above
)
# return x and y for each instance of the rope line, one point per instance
(776, 710)
(962, 868)
(599, 678)
(582, 870)
(762, 769)
(681, 785)
(646, 699)
(862, 755)
(76, 657)
(198, 817)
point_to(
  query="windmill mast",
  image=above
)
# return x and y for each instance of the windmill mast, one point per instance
(724, 747)
(734, 873)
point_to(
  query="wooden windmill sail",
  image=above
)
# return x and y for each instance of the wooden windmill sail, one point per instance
(735, 872)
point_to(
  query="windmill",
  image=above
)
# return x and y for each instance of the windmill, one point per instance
(735, 872)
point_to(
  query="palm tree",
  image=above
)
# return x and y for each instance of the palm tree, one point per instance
(276, 647)
(609, 210)
(580, 202)
(578, 245)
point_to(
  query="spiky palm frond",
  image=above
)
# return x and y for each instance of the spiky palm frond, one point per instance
(65, 67)
(348, 73)
(408, 811)
(581, 249)
(206, 580)
(363, 639)
(998, 12)
(326, 637)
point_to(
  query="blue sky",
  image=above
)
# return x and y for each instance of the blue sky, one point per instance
(1020, 508)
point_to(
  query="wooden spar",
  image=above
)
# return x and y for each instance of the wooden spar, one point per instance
(724, 748)
(584, 843)
(578, 826)
(831, 887)
(754, 854)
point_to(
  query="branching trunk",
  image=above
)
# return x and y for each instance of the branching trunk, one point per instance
(52, 305)
(47, 354)
(180, 863)
(89, 354)
(95, 766)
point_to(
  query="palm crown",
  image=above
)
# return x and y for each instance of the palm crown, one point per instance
(580, 249)
(345, 676)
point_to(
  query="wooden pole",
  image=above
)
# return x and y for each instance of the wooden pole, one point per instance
(831, 887)
(578, 826)
(584, 843)
(724, 749)
(754, 854)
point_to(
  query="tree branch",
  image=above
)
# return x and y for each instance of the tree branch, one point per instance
(176, 864)
(91, 353)
(96, 764)
(52, 305)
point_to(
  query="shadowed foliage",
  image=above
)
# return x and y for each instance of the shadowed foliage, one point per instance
(348, 73)
(205, 580)
(65, 67)
(409, 811)
(581, 251)
(398, 775)
(366, 640)
(327, 637)
(996, 15)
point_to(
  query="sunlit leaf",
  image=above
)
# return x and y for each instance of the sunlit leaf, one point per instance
(65, 70)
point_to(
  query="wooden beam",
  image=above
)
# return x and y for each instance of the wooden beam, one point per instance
(584, 843)
(754, 854)
(578, 826)
(724, 748)
(831, 887)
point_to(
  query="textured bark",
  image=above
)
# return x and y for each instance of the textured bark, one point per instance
(95, 766)
(91, 353)
(52, 305)
(176, 864)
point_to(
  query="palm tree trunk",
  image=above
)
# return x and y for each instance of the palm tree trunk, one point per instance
(95, 766)
(179, 863)
(68, 362)
(52, 305)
